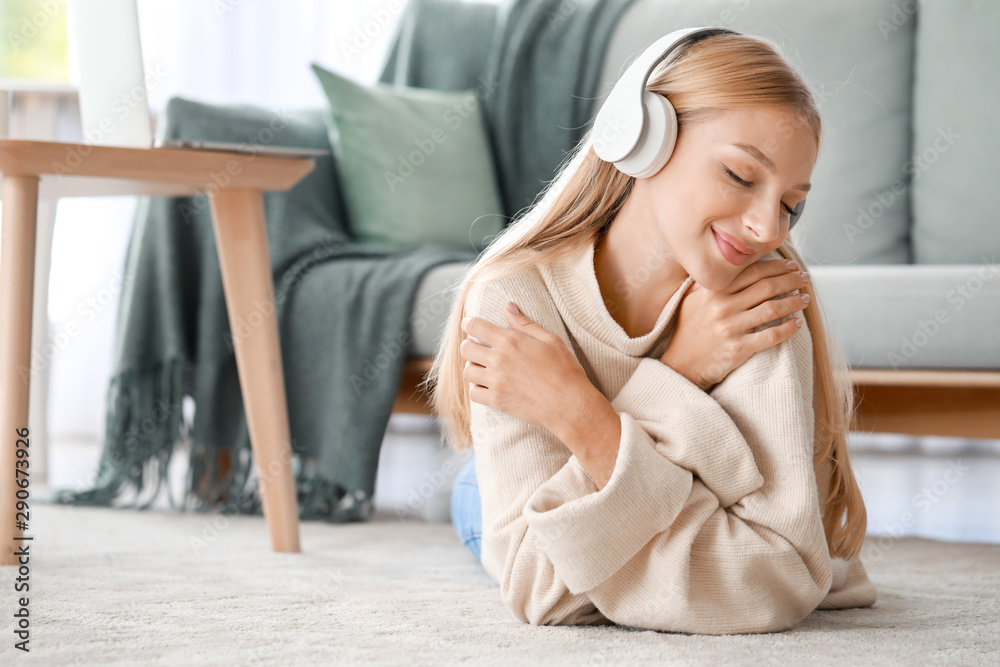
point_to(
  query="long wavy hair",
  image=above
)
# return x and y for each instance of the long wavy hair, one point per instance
(709, 75)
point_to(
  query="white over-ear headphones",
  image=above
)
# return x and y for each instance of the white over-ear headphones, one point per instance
(636, 129)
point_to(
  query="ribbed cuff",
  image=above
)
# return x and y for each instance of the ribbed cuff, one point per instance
(850, 586)
(690, 429)
(589, 534)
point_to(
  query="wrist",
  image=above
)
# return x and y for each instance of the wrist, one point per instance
(566, 419)
(591, 427)
(684, 373)
(599, 441)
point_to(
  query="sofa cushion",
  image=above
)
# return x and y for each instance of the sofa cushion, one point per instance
(432, 305)
(893, 316)
(856, 55)
(913, 316)
(415, 164)
(955, 139)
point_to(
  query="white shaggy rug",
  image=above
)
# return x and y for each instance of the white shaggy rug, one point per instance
(129, 587)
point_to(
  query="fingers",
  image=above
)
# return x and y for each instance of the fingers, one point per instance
(757, 341)
(474, 371)
(756, 272)
(482, 329)
(479, 395)
(775, 309)
(774, 286)
(474, 352)
(475, 374)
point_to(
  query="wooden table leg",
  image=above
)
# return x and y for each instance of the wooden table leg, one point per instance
(17, 274)
(38, 409)
(241, 236)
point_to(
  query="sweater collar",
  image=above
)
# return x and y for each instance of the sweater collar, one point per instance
(574, 279)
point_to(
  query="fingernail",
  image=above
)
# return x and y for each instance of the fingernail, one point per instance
(805, 298)
(465, 321)
(790, 264)
(798, 322)
(512, 307)
(805, 276)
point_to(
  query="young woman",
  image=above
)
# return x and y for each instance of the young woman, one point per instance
(658, 442)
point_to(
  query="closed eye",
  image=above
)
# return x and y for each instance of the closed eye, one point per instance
(748, 184)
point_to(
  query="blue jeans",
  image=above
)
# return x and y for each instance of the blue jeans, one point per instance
(467, 509)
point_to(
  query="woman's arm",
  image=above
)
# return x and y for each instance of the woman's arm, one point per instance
(656, 547)
(530, 373)
(514, 458)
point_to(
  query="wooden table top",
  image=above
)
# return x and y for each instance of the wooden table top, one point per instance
(207, 170)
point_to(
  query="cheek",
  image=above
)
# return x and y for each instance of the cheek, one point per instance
(726, 199)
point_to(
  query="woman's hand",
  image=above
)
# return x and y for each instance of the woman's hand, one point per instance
(525, 371)
(529, 373)
(714, 333)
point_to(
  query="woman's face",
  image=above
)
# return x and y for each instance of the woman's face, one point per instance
(714, 192)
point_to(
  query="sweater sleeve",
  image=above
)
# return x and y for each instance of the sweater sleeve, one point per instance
(760, 564)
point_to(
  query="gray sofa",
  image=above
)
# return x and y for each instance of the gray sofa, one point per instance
(901, 230)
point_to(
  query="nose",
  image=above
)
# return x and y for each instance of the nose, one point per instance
(763, 221)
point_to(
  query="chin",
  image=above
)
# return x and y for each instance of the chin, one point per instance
(713, 278)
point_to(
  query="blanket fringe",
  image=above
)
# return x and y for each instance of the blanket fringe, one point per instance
(145, 421)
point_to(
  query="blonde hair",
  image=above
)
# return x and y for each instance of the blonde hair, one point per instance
(712, 74)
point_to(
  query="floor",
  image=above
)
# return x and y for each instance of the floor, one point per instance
(119, 587)
(939, 488)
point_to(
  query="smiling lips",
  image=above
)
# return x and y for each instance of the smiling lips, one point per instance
(731, 248)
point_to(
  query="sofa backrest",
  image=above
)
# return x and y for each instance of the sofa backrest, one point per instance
(856, 55)
(956, 142)
(903, 166)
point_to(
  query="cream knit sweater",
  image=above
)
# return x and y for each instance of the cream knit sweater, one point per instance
(710, 522)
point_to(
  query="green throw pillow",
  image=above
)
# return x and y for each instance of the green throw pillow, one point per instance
(415, 164)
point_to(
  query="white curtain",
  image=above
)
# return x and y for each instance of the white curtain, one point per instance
(218, 51)
(258, 52)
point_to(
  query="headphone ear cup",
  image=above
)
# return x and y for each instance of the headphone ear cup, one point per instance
(656, 141)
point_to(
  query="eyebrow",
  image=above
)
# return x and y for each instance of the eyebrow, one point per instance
(758, 155)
